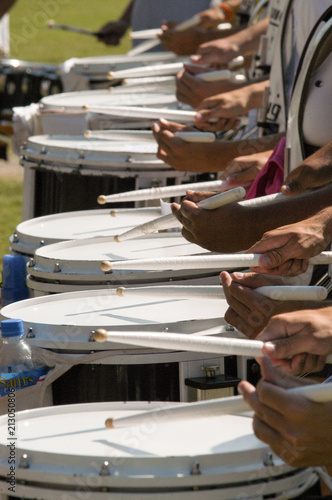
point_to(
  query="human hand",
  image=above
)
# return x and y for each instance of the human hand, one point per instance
(296, 429)
(218, 52)
(111, 33)
(180, 42)
(212, 229)
(248, 310)
(242, 171)
(192, 90)
(286, 250)
(181, 155)
(221, 111)
(315, 171)
(299, 341)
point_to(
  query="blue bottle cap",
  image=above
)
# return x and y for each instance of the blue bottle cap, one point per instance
(12, 328)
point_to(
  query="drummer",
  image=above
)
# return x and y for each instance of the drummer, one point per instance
(298, 430)
(148, 14)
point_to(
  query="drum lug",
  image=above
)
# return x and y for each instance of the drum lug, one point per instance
(42, 243)
(210, 371)
(105, 470)
(31, 263)
(230, 328)
(24, 462)
(91, 338)
(195, 470)
(30, 334)
(268, 460)
(57, 268)
(43, 151)
(15, 238)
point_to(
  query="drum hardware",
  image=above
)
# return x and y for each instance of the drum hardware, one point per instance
(105, 469)
(91, 338)
(268, 460)
(24, 462)
(30, 334)
(57, 268)
(210, 371)
(195, 470)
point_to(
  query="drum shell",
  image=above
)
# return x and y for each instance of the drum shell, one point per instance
(67, 173)
(229, 459)
(63, 324)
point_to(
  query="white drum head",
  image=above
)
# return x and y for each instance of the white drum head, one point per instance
(66, 448)
(41, 231)
(76, 100)
(79, 261)
(65, 321)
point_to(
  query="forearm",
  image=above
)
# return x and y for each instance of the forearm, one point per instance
(226, 151)
(259, 220)
(256, 95)
(5, 5)
(248, 39)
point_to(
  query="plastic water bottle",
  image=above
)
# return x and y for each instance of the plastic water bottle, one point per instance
(18, 367)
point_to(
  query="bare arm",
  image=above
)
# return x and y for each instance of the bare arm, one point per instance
(5, 6)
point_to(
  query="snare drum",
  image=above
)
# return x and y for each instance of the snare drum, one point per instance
(22, 83)
(75, 265)
(64, 113)
(63, 323)
(91, 72)
(41, 231)
(67, 452)
(67, 173)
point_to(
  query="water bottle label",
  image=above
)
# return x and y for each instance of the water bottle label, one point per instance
(21, 380)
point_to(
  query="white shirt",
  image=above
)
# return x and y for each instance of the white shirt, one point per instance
(4, 35)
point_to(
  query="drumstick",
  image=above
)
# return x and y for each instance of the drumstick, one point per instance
(225, 74)
(143, 113)
(143, 47)
(319, 393)
(236, 62)
(150, 44)
(53, 25)
(156, 193)
(139, 135)
(145, 34)
(168, 221)
(216, 292)
(143, 71)
(207, 261)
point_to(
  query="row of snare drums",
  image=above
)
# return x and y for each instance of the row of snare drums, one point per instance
(66, 451)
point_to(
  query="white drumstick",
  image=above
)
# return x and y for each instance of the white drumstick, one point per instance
(168, 221)
(156, 193)
(143, 71)
(206, 261)
(236, 63)
(216, 292)
(189, 23)
(143, 113)
(143, 47)
(225, 74)
(53, 25)
(319, 393)
(145, 34)
(204, 137)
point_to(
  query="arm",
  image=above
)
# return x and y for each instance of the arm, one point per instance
(235, 227)
(300, 341)
(286, 250)
(221, 52)
(288, 422)
(242, 171)
(229, 105)
(112, 32)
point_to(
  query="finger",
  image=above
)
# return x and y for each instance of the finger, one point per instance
(278, 379)
(268, 435)
(247, 175)
(232, 318)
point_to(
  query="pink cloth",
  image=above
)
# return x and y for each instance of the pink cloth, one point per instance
(271, 177)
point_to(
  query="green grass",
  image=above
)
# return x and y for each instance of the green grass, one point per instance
(10, 210)
(31, 40)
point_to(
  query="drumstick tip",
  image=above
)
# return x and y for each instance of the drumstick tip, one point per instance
(112, 212)
(85, 107)
(87, 134)
(116, 238)
(50, 23)
(102, 200)
(109, 423)
(119, 291)
(100, 335)
(106, 265)
(110, 75)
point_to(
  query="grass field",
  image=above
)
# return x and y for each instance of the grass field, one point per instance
(31, 40)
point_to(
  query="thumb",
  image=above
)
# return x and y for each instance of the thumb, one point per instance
(294, 184)
(275, 376)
